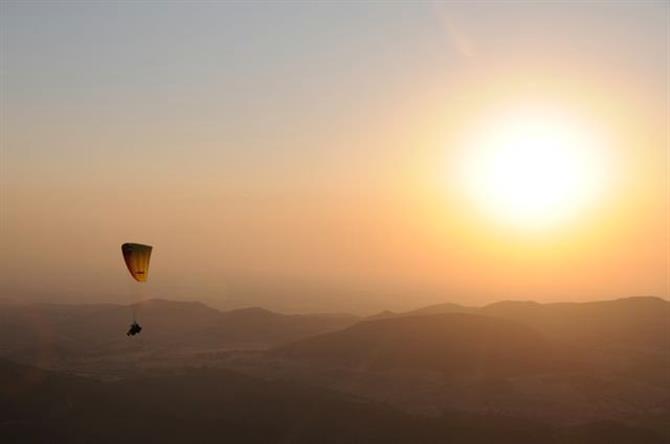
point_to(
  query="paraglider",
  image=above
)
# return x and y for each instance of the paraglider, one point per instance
(135, 329)
(137, 258)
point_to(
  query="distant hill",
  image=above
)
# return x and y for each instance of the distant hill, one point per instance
(386, 314)
(628, 338)
(212, 406)
(431, 309)
(456, 343)
(442, 308)
(629, 322)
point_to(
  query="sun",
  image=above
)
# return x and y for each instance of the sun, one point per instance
(533, 168)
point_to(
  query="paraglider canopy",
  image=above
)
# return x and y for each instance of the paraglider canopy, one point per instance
(137, 257)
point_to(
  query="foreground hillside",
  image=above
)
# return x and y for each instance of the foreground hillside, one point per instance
(204, 405)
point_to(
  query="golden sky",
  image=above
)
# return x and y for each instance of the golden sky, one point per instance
(334, 157)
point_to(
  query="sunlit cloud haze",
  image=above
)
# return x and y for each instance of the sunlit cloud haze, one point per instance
(307, 156)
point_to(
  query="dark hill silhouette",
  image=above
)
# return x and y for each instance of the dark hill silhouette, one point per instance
(452, 343)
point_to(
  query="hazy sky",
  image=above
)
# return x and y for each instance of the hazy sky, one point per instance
(301, 156)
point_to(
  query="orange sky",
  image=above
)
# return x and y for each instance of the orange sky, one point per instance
(303, 157)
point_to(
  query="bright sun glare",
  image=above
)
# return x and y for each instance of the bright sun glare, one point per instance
(533, 169)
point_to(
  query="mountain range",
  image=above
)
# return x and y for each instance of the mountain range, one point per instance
(568, 372)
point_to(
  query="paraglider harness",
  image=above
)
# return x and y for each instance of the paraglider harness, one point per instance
(135, 329)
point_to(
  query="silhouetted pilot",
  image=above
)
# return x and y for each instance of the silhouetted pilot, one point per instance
(134, 329)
